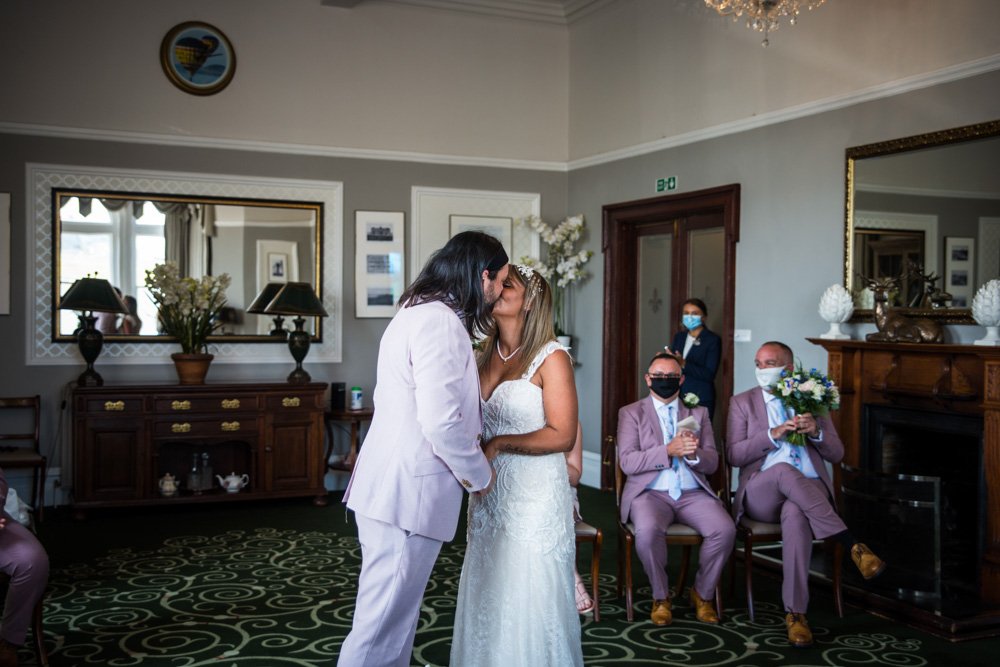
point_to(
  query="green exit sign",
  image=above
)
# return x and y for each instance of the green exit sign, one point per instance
(666, 184)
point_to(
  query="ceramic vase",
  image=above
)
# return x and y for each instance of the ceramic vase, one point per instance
(191, 368)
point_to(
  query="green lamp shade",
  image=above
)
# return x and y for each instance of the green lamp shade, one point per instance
(265, 297)
(295, 299)
(93, 294)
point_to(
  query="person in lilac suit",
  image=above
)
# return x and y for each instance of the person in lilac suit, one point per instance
(423, 449)
(23, 559)
(666, 468)
(786, 484)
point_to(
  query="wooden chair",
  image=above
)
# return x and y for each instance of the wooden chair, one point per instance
(587, 533)
(24, 456)
(751, 532)
(678, 534)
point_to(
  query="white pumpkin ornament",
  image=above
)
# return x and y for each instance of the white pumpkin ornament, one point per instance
(986, 311)
(836, 307)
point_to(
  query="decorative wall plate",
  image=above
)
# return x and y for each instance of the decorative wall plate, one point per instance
(198, 58)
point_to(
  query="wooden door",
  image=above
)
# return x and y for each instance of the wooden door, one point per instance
(695, 236)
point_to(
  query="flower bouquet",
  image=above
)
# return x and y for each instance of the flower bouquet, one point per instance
(188, 308)
(561, 267)
(803, 392)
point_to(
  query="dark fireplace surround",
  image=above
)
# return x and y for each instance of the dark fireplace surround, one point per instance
(921, 476)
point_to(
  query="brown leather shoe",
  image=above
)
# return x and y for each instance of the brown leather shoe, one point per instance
(868, 563)
(8, 654)
(704, 610)
(661, 614)
(799, 633)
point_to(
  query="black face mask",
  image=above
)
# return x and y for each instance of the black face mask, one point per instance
(665, 387)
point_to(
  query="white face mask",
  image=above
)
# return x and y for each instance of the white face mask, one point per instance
(768, 376)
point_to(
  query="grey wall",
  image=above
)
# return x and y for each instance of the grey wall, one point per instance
(792, 217)
(368, 185)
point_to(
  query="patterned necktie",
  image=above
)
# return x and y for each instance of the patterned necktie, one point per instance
(675, 465)
(793, 450)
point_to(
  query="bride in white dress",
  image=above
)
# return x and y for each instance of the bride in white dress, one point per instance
(516, 604)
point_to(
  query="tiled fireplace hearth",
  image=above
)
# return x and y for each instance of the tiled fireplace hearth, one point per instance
(921, 478)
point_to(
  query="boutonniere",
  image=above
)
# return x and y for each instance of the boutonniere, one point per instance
(690, 399)
(697, 341)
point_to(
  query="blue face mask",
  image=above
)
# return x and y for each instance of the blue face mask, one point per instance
(691, 322)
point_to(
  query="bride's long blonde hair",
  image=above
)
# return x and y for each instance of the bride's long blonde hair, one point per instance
(535, 319)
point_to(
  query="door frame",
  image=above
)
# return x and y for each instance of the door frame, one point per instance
(620, 224)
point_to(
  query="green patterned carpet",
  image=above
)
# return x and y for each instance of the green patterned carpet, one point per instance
(272, 584)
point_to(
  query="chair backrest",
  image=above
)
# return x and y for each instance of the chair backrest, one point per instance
(22, 404)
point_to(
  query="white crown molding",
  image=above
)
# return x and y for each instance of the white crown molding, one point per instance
(560, 12)
(898, 87)
(271, 147)
(925, 192)
(917, 82)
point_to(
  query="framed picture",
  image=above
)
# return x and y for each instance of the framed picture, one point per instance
(496, 226)
(379, 270)
(959, 269)
(197, 58)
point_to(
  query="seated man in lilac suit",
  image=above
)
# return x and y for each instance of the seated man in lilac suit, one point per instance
(790, 485)
(423, 447)
(666, 468)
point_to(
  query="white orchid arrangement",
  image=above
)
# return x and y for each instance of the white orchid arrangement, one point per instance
(562, 264)
(188, 308)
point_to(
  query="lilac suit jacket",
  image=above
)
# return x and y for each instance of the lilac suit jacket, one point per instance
(749, 443)
(642, 453)
(422, 448)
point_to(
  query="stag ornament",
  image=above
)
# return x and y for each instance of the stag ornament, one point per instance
(893, 325)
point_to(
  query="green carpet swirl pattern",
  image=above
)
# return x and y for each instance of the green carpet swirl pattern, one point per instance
(274, 597)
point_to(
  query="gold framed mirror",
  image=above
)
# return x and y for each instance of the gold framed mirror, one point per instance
(940, 187)
(119, 235)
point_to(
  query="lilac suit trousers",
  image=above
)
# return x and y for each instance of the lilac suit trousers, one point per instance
(782, 494)
(24, 560)
(652, 512)
(396, 565)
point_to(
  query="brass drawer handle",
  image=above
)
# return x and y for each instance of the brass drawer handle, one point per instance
(180, 428)
(180, 405)
(230, 426)
(114, 406)
(292, 402)
(230, 403)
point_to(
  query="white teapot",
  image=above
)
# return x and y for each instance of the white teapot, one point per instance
(168, 485)
(233, 483)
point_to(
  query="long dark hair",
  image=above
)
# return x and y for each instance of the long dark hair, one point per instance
(453, 275)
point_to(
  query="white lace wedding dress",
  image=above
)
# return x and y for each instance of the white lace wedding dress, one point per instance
(516, 605)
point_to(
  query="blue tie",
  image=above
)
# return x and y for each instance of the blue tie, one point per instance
(675, 487)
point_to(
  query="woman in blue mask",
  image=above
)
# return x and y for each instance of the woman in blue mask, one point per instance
(701, 349)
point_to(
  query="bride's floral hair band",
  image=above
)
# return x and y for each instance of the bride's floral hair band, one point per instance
(531, 279)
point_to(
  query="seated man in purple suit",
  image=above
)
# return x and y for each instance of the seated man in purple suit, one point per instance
(786, 484)
(666, 449)
(423, 447)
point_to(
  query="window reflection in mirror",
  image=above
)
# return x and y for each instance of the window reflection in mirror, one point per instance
(938, 187)
(120, 236)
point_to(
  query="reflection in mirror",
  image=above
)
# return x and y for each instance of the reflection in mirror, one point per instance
(118, 236)
(925, 209)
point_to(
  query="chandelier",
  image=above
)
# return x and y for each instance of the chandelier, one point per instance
(764, 15)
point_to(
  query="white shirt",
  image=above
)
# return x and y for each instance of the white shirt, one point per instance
(689, 342)
(667, 412)
(785, 452)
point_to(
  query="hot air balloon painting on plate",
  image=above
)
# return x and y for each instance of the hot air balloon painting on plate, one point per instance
(198, 58)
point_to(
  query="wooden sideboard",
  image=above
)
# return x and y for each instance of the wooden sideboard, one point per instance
(126, 438)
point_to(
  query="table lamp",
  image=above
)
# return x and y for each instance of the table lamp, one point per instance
(90, 295)
(297, 299)
(261, 301)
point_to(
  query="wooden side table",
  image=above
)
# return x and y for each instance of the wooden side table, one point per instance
(356, 419)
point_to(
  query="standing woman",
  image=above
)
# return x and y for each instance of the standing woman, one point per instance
(701, 349)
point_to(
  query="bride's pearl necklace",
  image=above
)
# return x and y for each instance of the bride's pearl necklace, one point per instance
(507, 357)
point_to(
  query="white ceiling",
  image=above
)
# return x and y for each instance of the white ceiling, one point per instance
(546, 11)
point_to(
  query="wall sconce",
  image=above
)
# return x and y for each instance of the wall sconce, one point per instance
(261, 302)
(297, 299)
(90, 295)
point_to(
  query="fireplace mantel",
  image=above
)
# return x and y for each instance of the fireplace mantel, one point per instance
(960, 379)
